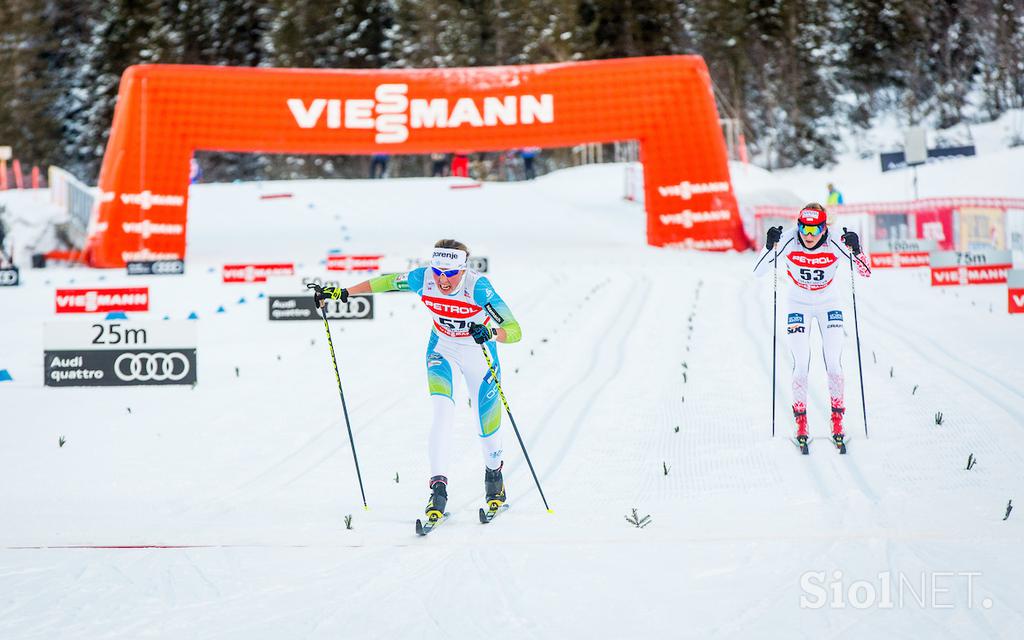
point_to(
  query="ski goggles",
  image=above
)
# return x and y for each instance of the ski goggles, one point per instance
(810, 229)
(450, 273)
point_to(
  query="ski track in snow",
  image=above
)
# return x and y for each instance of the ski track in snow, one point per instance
(255, 473)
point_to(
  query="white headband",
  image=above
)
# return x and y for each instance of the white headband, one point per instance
(448, 259)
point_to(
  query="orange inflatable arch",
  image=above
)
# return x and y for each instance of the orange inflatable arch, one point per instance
(165, 113)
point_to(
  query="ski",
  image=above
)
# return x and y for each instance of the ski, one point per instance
(490, 513)
(423, 528)
(803, 446)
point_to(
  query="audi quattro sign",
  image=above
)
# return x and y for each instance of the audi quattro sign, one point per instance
(118, 354)
(9, 277)
(302, 308)
(156, 268)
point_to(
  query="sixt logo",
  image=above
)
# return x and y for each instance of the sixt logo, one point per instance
(391, 113)
(686, 189)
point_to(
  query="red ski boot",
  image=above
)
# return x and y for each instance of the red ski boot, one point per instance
(800, 415)
(838, 438)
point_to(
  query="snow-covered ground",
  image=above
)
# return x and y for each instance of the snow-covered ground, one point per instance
(634, 361)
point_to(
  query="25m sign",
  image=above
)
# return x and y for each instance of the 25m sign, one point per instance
(102, 300)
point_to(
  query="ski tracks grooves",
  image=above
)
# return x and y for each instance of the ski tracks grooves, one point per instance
(604, 366)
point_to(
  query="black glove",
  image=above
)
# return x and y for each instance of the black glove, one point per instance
(327, 293)
(851, 240)
(772, 238)
(481, 333)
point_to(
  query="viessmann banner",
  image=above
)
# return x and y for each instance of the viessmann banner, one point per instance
(119, 354)
(101, 300)
(950, 268)
(665, 103)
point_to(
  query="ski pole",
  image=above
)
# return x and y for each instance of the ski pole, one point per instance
(344, 406)
(494, 374)
(856, 327)
(775, 328)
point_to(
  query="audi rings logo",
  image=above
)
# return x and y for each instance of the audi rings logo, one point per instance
(356, 308)
(9, 277)
(152, 367)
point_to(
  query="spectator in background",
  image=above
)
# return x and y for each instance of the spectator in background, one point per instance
(195, 172)
(379, 161)
(835, 196)
(529, 154)
(460, 164)
(438, 161)
(507, 162)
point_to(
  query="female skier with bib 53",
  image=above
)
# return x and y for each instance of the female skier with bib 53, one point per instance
(811, 258)
(467, 312)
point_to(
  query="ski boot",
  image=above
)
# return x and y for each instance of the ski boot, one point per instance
(494, 487)
(838, 437)
(800, 415)
(438, 498)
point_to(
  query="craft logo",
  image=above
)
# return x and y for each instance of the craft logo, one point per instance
(147, 229)
(102, 300)
(449, 308)
(156, 268)
(9, 277)
(391, 113)
(688, 218)
(686, 189)
(303, 308)
(255, 272)
(353, 263)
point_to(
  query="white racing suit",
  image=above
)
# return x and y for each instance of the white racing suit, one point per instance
(812, 295)
(450, 348)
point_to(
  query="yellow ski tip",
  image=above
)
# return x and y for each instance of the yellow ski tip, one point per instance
(551, 511)
(366, 507)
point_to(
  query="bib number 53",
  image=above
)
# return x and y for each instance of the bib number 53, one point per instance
(812, 274)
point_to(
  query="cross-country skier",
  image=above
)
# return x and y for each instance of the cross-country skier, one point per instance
(467, 312)
(811, 258)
